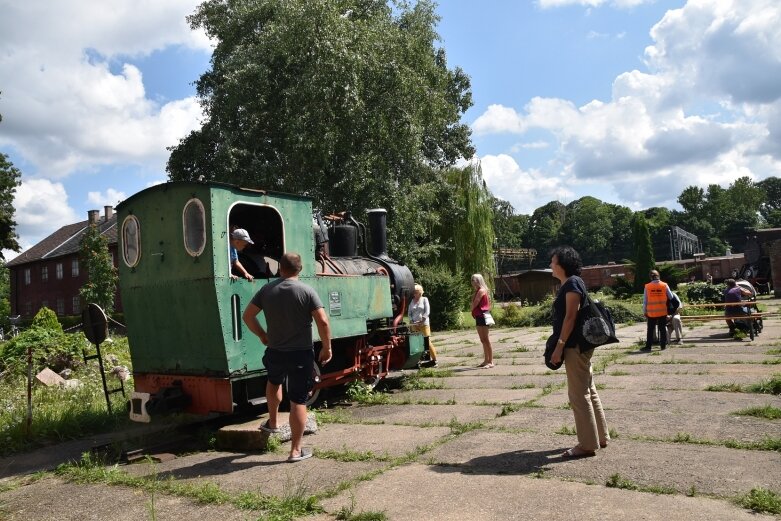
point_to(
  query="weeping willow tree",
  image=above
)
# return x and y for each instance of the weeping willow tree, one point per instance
(471, 229)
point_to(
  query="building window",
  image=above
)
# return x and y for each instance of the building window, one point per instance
(76, 305)
(59, 271)
(27, 277)
(75, 268)
(194, 227)
(60, 306)
(131, 241)
(44, 274)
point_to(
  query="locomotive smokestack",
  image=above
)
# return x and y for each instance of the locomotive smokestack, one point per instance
(379, 242)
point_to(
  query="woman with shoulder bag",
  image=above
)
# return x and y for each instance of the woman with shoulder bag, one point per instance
(584, 401)
(481, 312)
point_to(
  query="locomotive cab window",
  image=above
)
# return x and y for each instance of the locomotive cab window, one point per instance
(194, 227)
(131, 241)
(260, 255)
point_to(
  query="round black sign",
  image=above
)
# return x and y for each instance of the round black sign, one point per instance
(94, 323)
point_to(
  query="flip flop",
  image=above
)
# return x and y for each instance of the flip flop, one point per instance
(265, 428)
(305, 454)
(571, 454)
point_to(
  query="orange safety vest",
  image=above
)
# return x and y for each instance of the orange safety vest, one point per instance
(656, 299)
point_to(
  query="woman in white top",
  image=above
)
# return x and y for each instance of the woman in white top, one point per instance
(419, 311)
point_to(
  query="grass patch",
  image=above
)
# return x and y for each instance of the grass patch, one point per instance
(566, 430)
(768, 443)
(728, 388)
(520, 349)
(761, 500)
(523, 386)
(347, 455)
(619, 373)
(430, 372)
(365, 394)
(457, 428)
(616, 481)
(61, 414)
(294, 504)
(773, 352)
(413, 382)
(768, 412)
(771, 386)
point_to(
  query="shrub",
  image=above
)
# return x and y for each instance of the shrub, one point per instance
(623, 287)
(702, 292)
(511, 316)
(447, 294)
(46, 319)
(50, 348)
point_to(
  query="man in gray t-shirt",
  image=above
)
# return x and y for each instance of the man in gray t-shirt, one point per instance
(289, 306)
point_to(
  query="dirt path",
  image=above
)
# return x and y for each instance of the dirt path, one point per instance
(472, 443)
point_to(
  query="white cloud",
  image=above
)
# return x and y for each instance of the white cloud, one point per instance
(522, 189)
(38, 204)
(110, 198)
(621, 4)
(707, 111)
(65, 107)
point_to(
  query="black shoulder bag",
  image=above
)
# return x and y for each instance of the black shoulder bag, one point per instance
(595, 325)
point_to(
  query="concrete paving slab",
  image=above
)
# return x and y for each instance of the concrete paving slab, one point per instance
(469, 396)
(262, 473)
(709, 469)
(495, 381)
(704, 402)
(667, 381)
(425, 415)
(502, 497)
(52, 499)
(657, 424)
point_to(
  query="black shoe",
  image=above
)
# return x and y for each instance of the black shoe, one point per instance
(663, 348)
(645, 349)
(428, 363)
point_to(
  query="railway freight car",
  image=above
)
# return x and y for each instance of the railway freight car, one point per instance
(189, 347)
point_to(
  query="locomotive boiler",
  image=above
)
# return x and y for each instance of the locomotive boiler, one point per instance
(191, 350)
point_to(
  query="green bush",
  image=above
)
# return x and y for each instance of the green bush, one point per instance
(623, 288)
(50, 348)
(447, 293)
(701, 293)
(46, 319)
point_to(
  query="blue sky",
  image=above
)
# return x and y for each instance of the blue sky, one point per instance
(626, 100)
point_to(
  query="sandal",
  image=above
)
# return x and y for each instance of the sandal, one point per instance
(577, 452)
(304, 454)
(270, 430)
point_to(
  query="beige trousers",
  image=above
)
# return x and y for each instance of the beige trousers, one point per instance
(584, 401)
(426, 331)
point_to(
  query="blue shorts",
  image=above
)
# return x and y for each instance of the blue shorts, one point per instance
(297, 366)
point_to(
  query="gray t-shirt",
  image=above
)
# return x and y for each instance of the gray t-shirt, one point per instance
(288, 306)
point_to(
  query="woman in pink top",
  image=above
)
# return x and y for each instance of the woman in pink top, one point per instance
(480, 304)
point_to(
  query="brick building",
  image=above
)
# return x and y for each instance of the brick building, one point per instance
(50, 273)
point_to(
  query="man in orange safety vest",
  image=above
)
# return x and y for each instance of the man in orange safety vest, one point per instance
(655, 298)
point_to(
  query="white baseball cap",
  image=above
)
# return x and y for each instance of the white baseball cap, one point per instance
(241, 234)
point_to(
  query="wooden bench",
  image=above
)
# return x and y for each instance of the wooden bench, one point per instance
(756, 315)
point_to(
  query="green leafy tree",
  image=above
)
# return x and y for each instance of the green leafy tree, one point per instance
(544, 227)
(770, 209)
(350, 102)
(510, 228)
(621, 241)
(643, 252)
(588, 228)
(102, 278)
(5, 294)
(9, 179)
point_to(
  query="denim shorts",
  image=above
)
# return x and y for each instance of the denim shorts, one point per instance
(297, 366)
